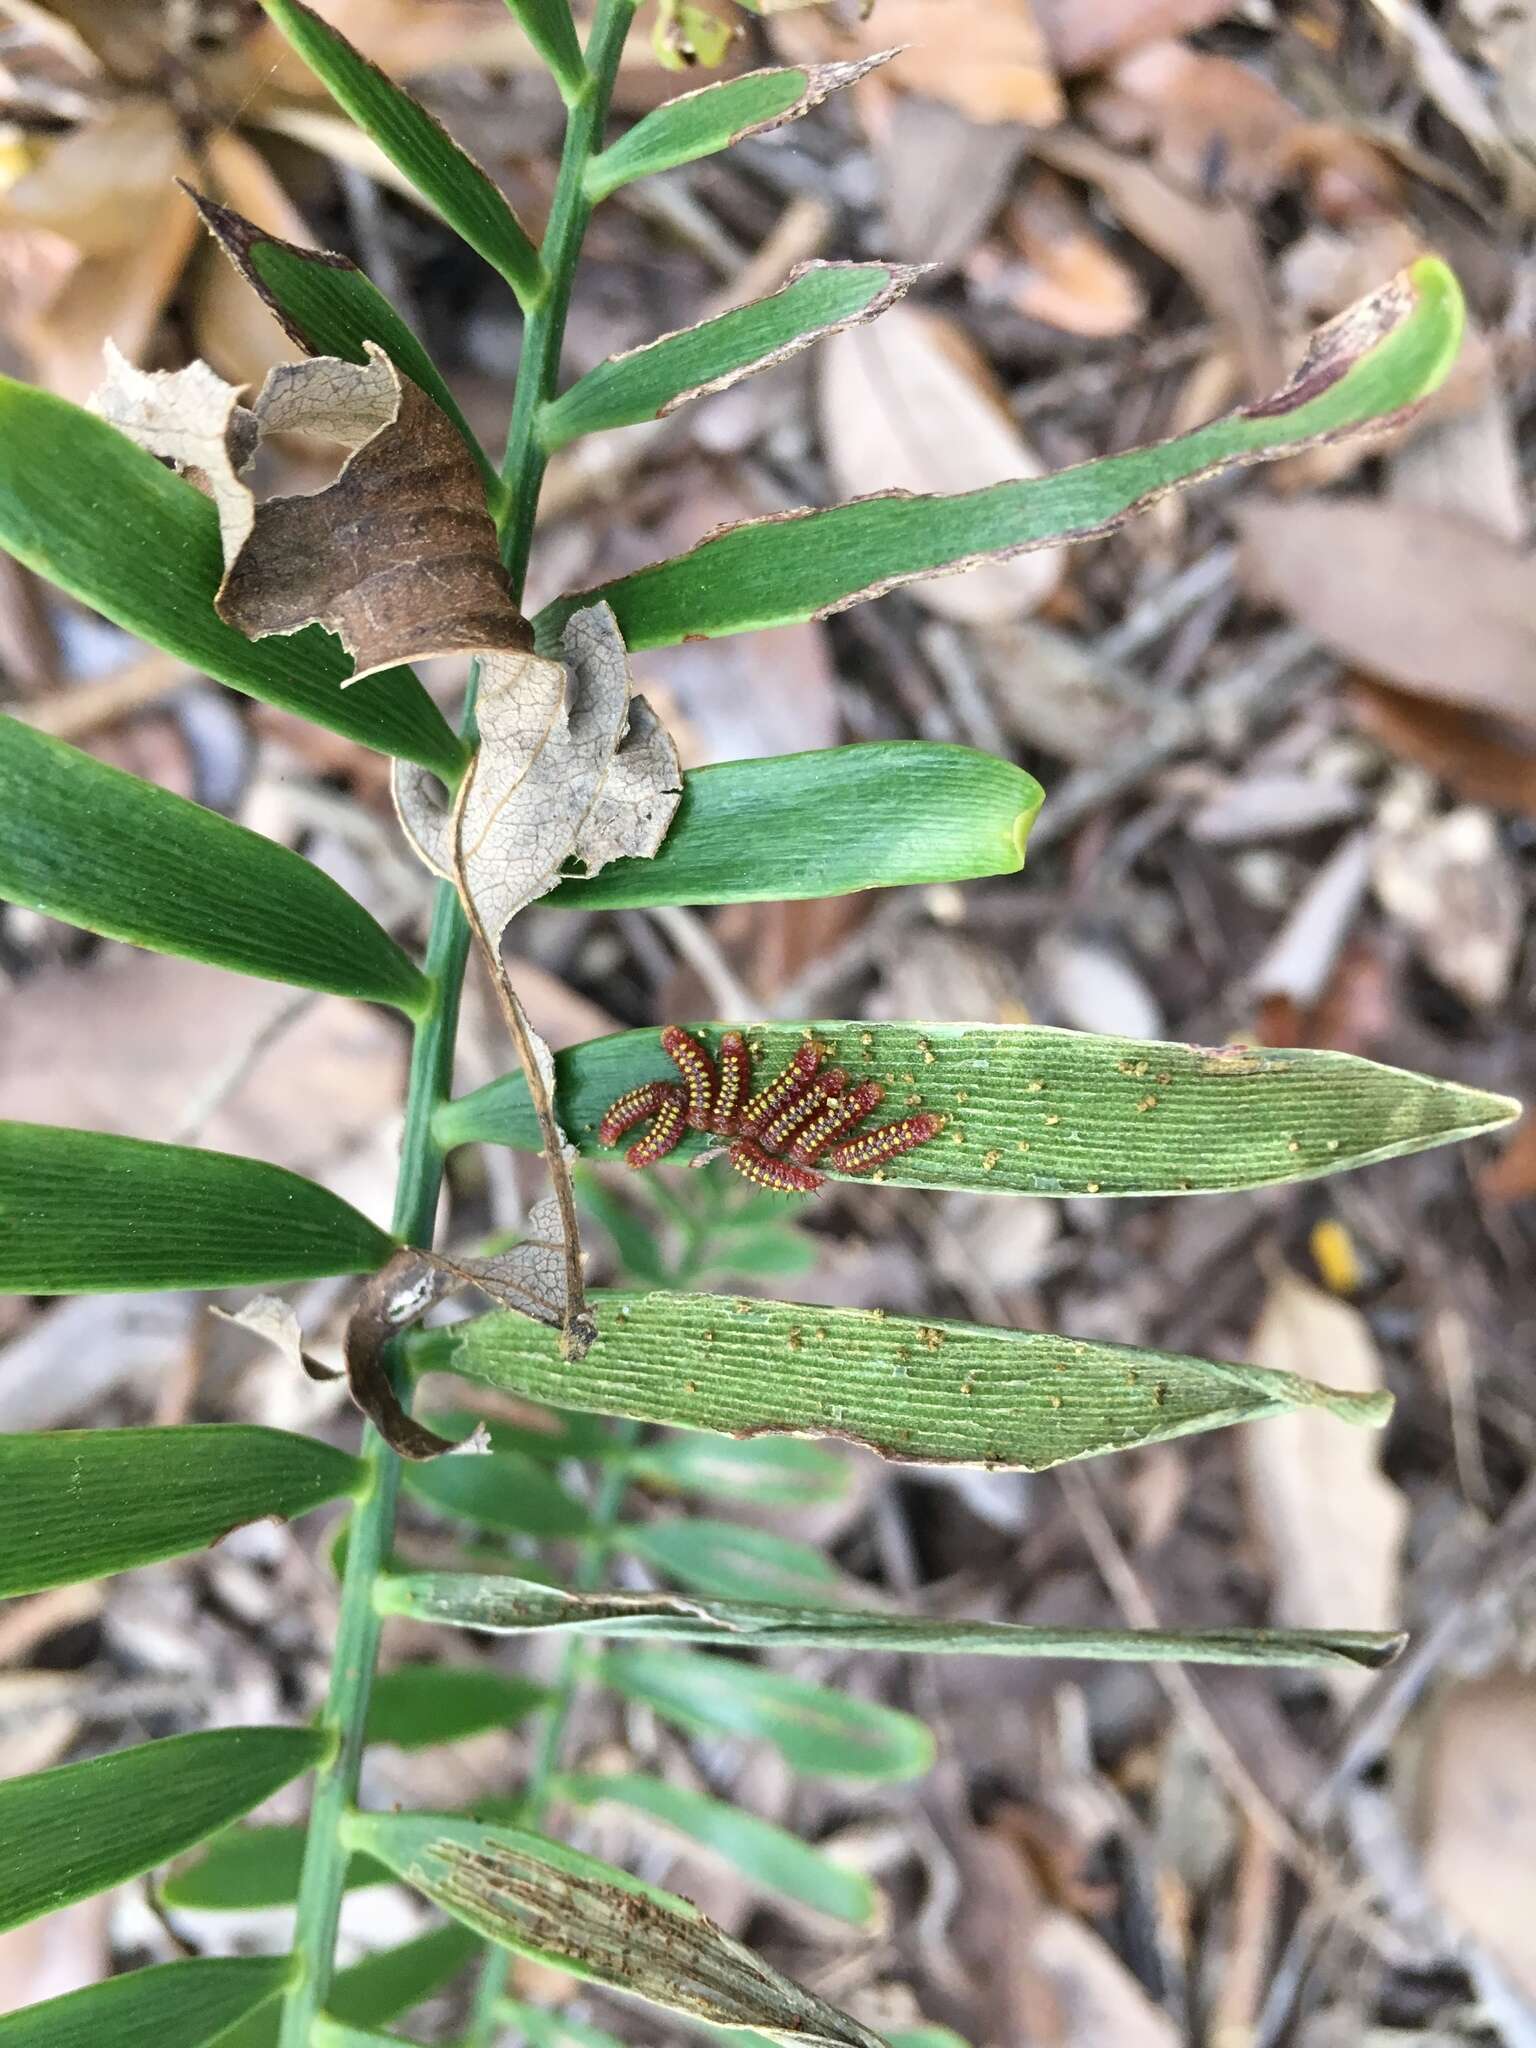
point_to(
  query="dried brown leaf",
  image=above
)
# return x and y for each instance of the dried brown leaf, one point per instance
(1479, 1816)
(276, 1322)
(1085, 35)
(1216, 127)
(530, 1280)
(1213, 244)
(989, 58)
(1452, 887)
(1429, 603)
(1332, 1524)
(1477, 758)
(398, 556)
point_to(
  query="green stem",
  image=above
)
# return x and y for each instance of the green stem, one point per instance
(421, 1158)
(357, 1625)
(539, 368)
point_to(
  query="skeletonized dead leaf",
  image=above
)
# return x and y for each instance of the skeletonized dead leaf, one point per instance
(1333, 1525)
(571, 767)
(907, 405)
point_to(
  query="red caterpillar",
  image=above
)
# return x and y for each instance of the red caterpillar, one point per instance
(797, 1117)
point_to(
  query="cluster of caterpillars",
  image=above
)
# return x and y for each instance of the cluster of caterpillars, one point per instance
(776, 1136)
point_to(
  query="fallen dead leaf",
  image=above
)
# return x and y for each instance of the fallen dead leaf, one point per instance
(908, 405)
(1450, 884)
(1479, 759)
(988, 58)
(181, 1040)
(1512, 1176)
(942, 176)
(96, 233)
(1426, 602)
(1333, 1526)
(1477, 1821)
(1071, 278)
(1214, 126)
(1213, 244)
(1086, 35)
(1050, 690)
(1099, 2000)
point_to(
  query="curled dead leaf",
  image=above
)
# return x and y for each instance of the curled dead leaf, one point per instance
(529, 1279)
(398, 557)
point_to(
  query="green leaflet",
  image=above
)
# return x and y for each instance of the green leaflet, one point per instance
(769, 1856)
(508, 1606)
(775, 1471)
(1385, 353)
(82, 1828)
(555, 2029)
(101, 849)
(926, 1393)
(84, 1213)
(1035, 1111)
(331, 308)
(733, 1560)
(699, 123)
(550, 29)
(79, 1503)
(380, 1987)
(245, 1869)
(646, 383)
(825, 824)
(417, 145)
(171, 2005)
(418, 1705)
(97, 515)
(569, 1910)
(825, 1733)
(328, 2033)
(504, 1490)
